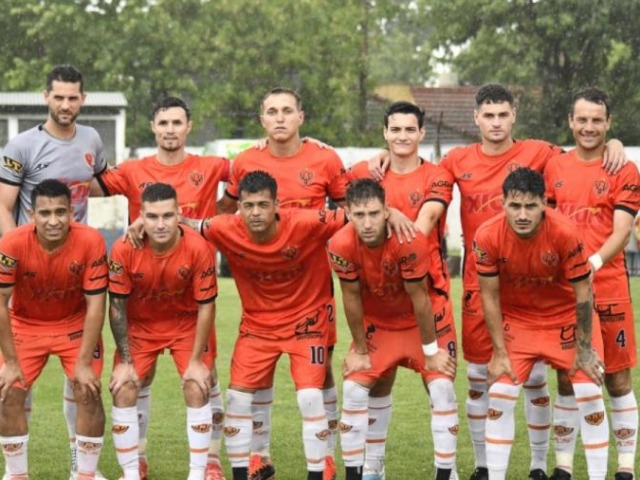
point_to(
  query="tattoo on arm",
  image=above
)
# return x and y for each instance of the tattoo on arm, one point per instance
(195, 224)
(118, 321)
(584, 329)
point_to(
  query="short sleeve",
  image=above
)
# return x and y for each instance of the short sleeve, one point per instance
(484, 252)
(441, 188)
(96, 272)
(114, 181)
(8, 260)
(342, 255)
(100, 164)
(627, 193)
(414, 259)
(14, 165)
(205, 287)
(575, 265)
(337, 188)
(119, 279)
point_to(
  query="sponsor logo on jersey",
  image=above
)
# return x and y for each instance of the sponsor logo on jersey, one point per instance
(305, 176)
(88, 157)
(7, 262)
(481, 255)
(101, 261)
(115, 268)
(415, 198)
(594, 418)
(577, 250)
(559, 184)
(322, 216)
(493, 414)
(630, 187)
(119, 429)
(196, 178)
(201, 428)
(549, 258)
(341, 264)
(304, 329)
(466, 176)
(600, 187)
(76, 268)
(540, 401)
(290, 252)
(209, 272)
(13, 165)
(568, 337)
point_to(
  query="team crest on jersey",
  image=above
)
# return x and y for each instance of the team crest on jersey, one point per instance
(76, 268)
(416, 198)
(89, 158)
(561, 431)
(600, 187)
(291, 252)
(513, 166)
(115, 268)
(493, 414)
(389, 267)
(594, 418)
(481, 255)
(13, 165)
(7, 262)
(305, 177)
(322, 216)
(549, 258)
(624, 433)
(196, 178)
(341, 263)
(184, 273)
(119, 429)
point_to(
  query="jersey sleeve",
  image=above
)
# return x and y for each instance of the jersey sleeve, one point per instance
(441, 188)
(100, 164)
(205, 287)
(337, 188)
(325, 223)
(15, 165)
(235, 175)
(114, 181)
(342, 255)
(96, 273)
(484, 250)
(119, 279)
(414, 259)
(225, 175)
(8, 260)
(358, 171)
(550, 178)
(627, 194)
(575, 266)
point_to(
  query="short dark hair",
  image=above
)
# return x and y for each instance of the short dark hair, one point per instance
(157, 192)
(494, 93)
(64, 73)
(524, 180)
(363, 190)
(404, 107)
(170, 102)
(281, 91)
(258, 181)
(593, 95)
(50, 188)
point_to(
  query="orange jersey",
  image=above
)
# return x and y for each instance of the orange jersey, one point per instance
(281, 281)
(304, 180)
(534, 272)
(408, 192)
(479, 178)
(589, 196)
(195, 180)
(49, 288)
(163, 290)
(381, 272)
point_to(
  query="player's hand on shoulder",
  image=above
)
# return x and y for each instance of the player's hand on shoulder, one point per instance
(86, 383)
(400, 225)
(10, 373)
(614, 156)
(122, 374)
(378, 164)
(135, 234)
(316, 142)
(198, 372)
(498, 366)
(355, 362)
(441, 362)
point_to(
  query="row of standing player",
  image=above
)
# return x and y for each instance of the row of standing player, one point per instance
(279, 129)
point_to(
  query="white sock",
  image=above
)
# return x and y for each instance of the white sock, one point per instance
(624, 423)
(69, 410)
(354, 422)
(217, 415)
(594, 428)
(330, 398)
(261, 412)
(500, 430)
(379, 418)
(566, 424)
(124, 429)
(15, 455)
(315, 428)
(89, 449)
(238, 427)
(477, 405)
(199, 435)
(537, 410)
(143, 404)
(444, 422)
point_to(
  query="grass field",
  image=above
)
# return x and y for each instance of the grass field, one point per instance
(409, 451)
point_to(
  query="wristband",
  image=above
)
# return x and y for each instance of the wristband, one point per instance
(430, 349)
(596, 261)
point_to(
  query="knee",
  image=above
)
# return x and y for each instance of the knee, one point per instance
(126, 397)
(384, 385)
(194, 396)
(565, 387)
(619, 383)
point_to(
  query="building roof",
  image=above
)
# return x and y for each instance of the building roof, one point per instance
(94, 99)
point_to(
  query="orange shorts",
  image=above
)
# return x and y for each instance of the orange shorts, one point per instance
(145, 351)
(476, 341)
(557, 346)
(389, 349)
(34, 350)
(254, 360)
(618, 336)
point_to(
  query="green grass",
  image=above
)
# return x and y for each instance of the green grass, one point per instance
(409, 450)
